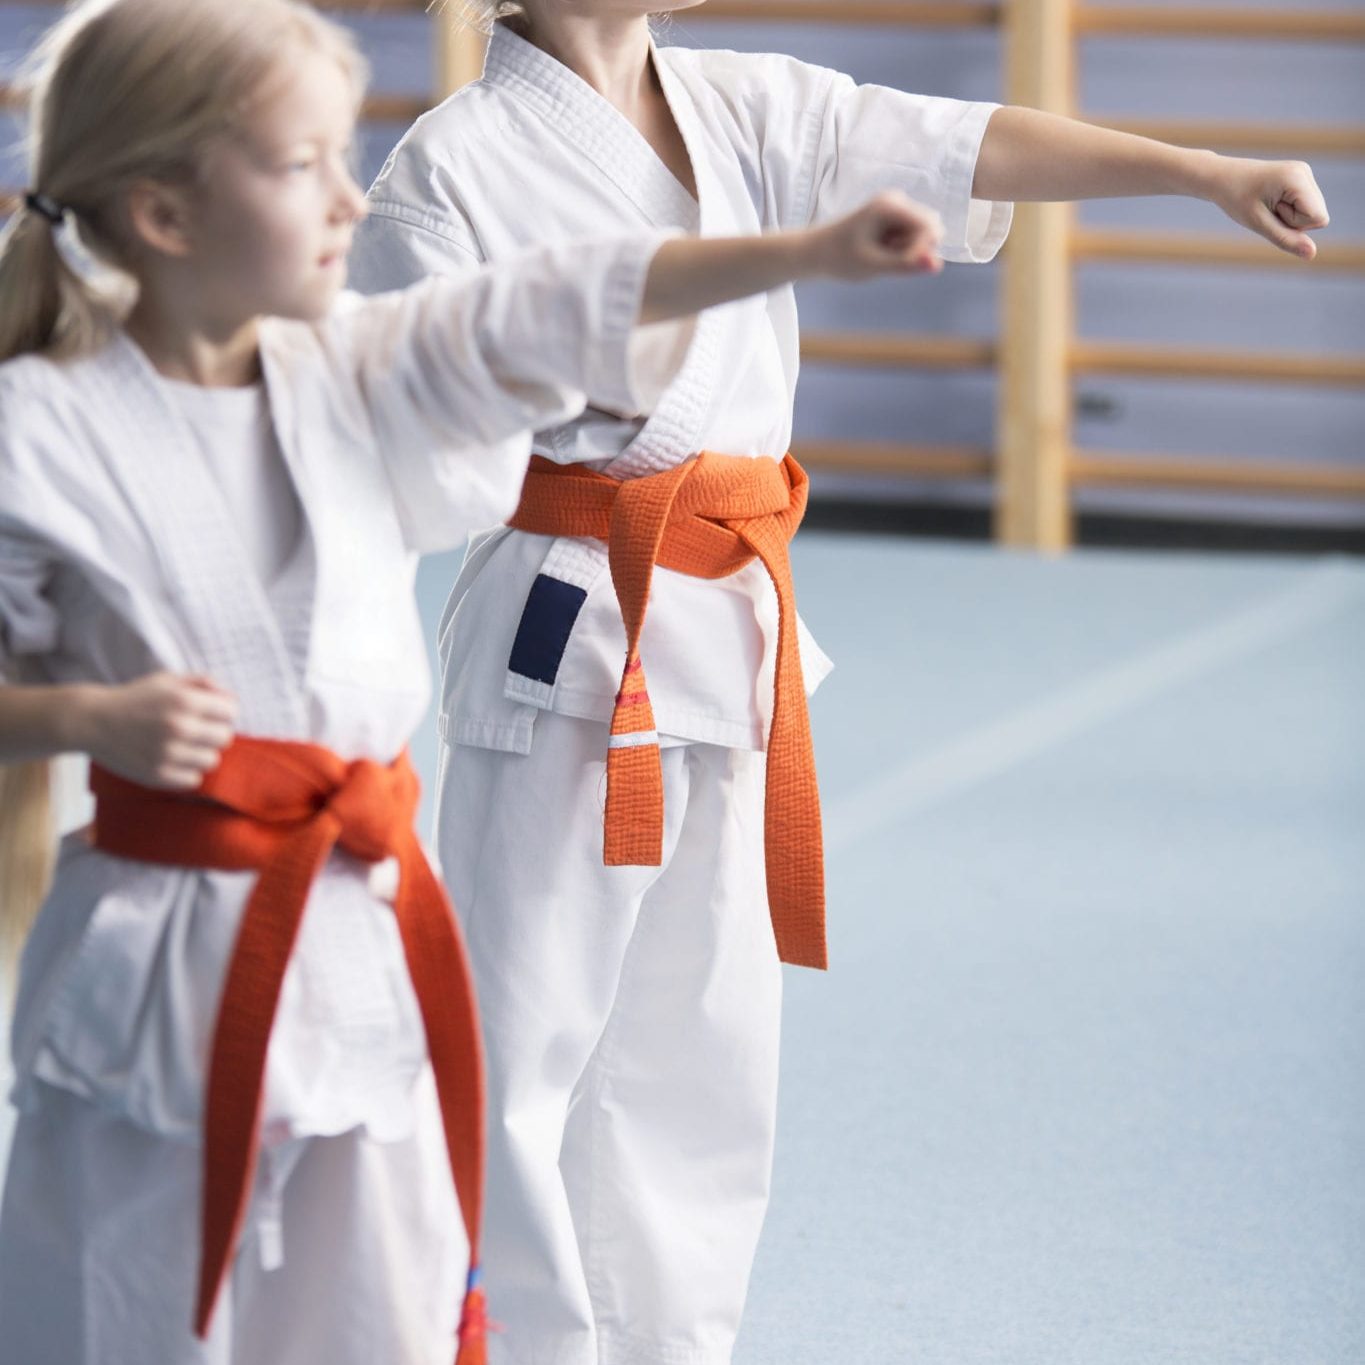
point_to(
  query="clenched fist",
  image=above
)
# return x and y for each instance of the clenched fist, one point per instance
(163, 730)
(1279, 199)
(889, 234)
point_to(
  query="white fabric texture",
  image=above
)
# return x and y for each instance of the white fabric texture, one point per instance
(773, 143)
(631, 1026)
(351, 1254)
(237, 442)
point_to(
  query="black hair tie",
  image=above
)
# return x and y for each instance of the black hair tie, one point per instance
(46, 206)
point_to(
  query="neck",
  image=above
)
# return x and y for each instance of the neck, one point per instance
(608, 52)
(217, 353)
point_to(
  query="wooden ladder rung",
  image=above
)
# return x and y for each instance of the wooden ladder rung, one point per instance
(1288, 139)
(381, 108)
(1093, 469)
(880, 12)
(887, 457)
(1157, 248)
(1181, 362)
(898, 350)
(1205, 21)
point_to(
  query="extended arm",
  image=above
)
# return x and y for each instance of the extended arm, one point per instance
(1027, 154)
(888, 235)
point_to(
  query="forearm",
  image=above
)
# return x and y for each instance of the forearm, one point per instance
(689, 274)
(42, 722)
(1029, 155)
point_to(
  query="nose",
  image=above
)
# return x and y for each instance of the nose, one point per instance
(352, 201)
(348, 205)
(356, 206)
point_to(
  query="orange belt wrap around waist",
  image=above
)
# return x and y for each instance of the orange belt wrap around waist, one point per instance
(281, 807)
(709, 518)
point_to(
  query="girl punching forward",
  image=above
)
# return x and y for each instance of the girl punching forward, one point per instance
(629, 978)
(245, 1042)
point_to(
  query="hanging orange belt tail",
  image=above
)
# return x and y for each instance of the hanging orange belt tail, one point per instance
(281, 807)
(708, 518)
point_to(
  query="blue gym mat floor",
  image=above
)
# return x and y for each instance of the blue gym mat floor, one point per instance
(1086, 1082)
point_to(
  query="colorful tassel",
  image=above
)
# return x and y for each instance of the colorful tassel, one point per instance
(474, 1323)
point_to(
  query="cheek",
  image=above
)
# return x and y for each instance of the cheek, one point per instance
(275, 254)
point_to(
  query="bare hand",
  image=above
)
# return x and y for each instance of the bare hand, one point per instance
(164, 730)
(1278, 199)
(890, 234)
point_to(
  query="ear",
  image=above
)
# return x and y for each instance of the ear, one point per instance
(160, 217)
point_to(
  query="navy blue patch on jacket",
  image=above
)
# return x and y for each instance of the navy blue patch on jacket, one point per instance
(551, 609)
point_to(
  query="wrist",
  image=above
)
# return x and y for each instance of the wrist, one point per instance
(80, 716)
(807, 253)
(1198, 173)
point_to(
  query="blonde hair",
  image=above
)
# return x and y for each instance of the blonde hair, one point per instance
(27, 844)
(479, 14)
(119, 91)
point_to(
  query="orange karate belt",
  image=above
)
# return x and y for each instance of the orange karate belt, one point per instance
(709, 518)
(280, 808)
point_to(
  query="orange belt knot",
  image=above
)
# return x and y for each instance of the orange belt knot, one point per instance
(709, 518)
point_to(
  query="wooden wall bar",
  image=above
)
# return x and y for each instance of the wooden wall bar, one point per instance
(1033, 423)
(1038, 354)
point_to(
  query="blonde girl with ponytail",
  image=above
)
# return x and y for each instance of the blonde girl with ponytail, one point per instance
(248, 1073)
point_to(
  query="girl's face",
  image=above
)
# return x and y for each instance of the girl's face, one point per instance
(272, 219)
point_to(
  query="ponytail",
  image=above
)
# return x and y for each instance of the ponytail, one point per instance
(27, 846)
(46, 307)
(44, 304)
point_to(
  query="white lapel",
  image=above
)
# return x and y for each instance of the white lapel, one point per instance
(592, 126)
(155, 459)
(674, 432)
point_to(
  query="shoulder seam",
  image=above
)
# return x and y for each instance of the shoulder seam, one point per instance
(396, 211)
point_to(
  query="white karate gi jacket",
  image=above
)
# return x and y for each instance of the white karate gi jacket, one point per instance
(531, 153)
(404, 421)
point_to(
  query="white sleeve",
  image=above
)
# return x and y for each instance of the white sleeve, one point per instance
(822, 145)
(396, 246)
(412, 232)
(457, 373)
(29, 624)
(873, 138)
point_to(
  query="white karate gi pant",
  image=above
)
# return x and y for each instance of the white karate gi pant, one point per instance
(99, 1248)
(631, 1019)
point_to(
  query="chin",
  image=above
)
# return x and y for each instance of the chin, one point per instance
(319, 302)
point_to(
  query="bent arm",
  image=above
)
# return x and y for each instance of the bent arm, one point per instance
(689, 274)
(46, 720)
(890, 234)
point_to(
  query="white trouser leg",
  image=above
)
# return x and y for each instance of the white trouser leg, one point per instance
(375, 1255)
(98, 1243)
(648, 999)
(669, 1151)
(99, 1249)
